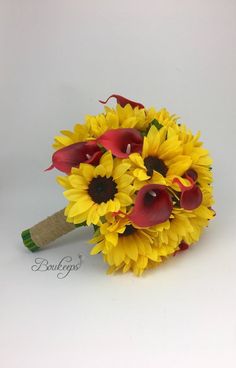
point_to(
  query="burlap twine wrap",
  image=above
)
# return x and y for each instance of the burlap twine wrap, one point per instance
(46, 231)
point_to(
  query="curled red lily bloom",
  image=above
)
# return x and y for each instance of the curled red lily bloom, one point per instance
(191, 197)
(122, 101)
(153, 205)
(122, 142)
(182, 247)
(71, 156)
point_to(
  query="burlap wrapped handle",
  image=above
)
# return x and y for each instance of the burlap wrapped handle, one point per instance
(45, 232)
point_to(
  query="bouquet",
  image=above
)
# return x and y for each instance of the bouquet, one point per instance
(139, 177)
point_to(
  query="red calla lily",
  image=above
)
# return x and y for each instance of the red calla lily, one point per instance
(122, 101)
(153, 205)
(191, 197)
(122, 142)
(71, 156)
(182, 247)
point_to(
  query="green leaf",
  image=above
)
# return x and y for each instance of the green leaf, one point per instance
(82, 224)
(157, 124)
(95, 227)
(143, 133)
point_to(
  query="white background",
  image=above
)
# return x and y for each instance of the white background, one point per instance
(57, 58)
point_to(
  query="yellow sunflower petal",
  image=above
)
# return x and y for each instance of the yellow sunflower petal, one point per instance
(129, 247)
(118, 255)
(79, 219)
(140, 174)
(124, 181)
(63, 181)
(100, 171)
(81, 206)
(64, 141)
(153, 139)
(124, 199)
(137, 160)
(113, 205)
(87, 171)
(102, 208)
(127, 266)
(112, 238)
(180, 167)
(145, 150)
(97, 249)
(92, 216)
(157, 178)
(107, 161)
(72, 195)
(142, 262)
(120, 170)
(78, 181)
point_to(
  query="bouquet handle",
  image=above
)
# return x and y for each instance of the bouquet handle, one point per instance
(41, 235)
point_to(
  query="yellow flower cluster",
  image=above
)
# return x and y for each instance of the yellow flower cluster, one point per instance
(105, 194)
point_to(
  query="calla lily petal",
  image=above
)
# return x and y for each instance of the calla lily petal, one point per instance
(182, 186)
(191, 197)
(153, 205)
(122, 101)
(122, 142)
(71, 156)
(182, 247)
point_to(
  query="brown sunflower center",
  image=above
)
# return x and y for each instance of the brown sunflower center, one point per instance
(155, 164)
(128, 230)
(102, 189)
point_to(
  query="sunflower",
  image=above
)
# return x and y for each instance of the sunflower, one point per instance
(124, 246)
(199, 217)
(93, 192)
(201, 161)
(183, 226)
(118, 117)
(127, 247)
(95, 126)
(163, 117)
(79, 134)
(161, 160)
